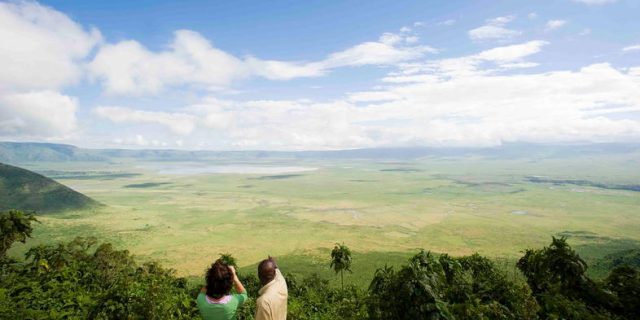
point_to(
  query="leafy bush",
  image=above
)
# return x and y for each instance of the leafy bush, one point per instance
(557, 277)
(76, 281)
(448, 288)
(83, 279)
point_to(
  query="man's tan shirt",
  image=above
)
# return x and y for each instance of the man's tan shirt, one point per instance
(272, 303)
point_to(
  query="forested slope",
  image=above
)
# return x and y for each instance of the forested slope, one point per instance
(26, 190)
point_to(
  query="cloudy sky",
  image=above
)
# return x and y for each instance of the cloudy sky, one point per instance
(300, 75)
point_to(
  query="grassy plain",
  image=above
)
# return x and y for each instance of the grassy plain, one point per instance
(383, 210)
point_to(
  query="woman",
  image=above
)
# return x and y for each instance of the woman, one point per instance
(215, 301)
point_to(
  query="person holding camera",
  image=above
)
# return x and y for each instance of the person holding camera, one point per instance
(215, 301)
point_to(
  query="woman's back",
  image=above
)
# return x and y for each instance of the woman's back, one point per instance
(220, 278)
(221, 309)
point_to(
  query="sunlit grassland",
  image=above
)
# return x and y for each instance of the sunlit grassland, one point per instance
(383, 210)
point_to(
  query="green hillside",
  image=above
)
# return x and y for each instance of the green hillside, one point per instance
(26, 190)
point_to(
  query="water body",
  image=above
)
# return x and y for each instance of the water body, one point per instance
(200, 168)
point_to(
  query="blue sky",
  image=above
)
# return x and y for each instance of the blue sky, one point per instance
(296, 75)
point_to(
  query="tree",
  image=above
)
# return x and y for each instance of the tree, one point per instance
(416, 291)
(557, 277)
(444, 287)
(341, 260)
(14, 226)
(624, 281)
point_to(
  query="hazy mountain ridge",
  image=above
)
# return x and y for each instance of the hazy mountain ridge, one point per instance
(16, 152)
(26, 190)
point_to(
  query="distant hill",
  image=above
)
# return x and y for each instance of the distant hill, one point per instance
(17, 153)
(26, 190)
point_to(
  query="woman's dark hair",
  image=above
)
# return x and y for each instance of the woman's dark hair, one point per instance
(219, 280)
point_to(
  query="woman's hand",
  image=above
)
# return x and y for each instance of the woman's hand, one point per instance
(236, 282)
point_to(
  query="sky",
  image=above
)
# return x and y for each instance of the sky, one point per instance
(319, 75)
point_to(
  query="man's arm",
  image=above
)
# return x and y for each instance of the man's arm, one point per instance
(279, 277)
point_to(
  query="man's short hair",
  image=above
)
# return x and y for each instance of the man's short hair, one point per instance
(266, 271)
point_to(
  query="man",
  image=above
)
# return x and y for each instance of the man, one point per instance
(272, 303)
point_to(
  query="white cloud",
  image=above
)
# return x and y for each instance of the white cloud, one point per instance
(482, 108)
(448, 22)
(554, 24)
(532, 15)
(506, 57)
(37, 114)
(500, 21)
(139, 140)
(413, 39)
(41, 52)
(389, 38)
(433, 106)
(494, 29)
(179, 123)
(519, 65)
(478, 99)
(595, 2)
(280, 70)
(41, 48)
(585, 31)
(512, 52)
(368, 96)
(375, 53)
(635, 47)
(128, 67)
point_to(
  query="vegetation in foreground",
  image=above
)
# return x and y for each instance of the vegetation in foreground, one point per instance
(82, 279)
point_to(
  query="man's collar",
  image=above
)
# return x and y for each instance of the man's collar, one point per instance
(269, 284)
(266, 286)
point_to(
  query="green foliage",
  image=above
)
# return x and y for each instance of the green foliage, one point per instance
(624, 257)
(341, 260)
(624, 282)
(414, 292)
(448, 288)
(73, 280)
(311, 297)
(228, 259)
(14, 226)
(557, 277)
(82, 279)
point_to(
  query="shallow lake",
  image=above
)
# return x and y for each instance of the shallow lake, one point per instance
(203, 168)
